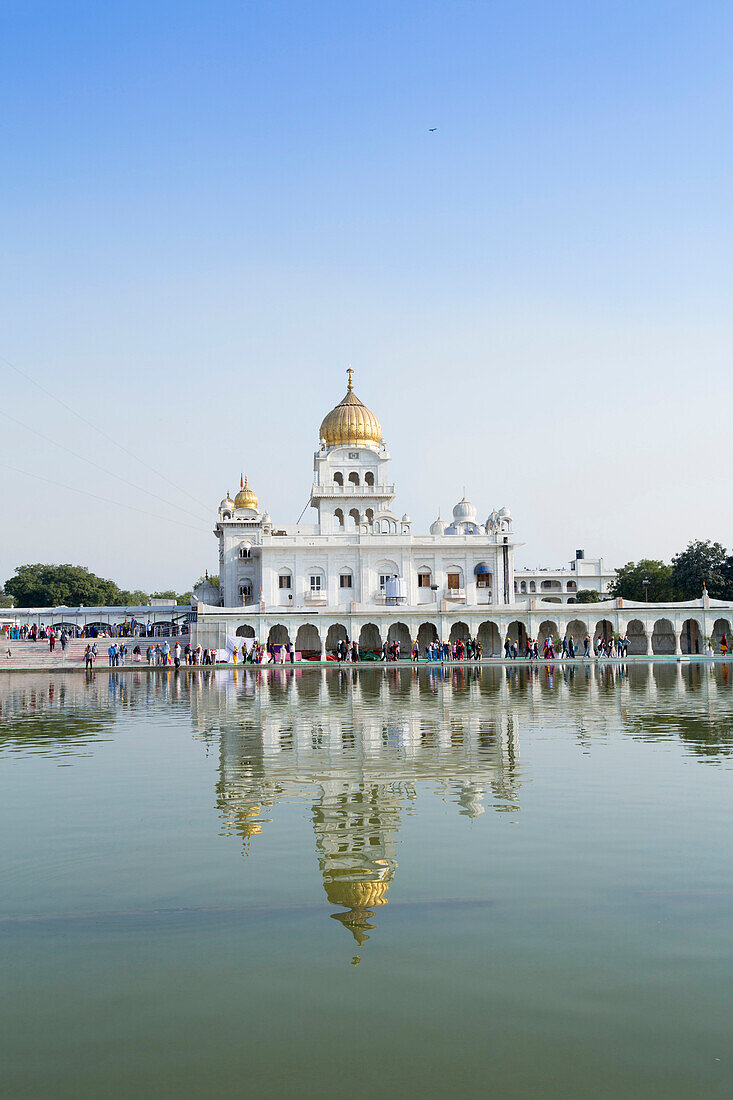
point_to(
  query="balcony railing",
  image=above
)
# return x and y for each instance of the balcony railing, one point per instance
(350, 490)
(316, 596)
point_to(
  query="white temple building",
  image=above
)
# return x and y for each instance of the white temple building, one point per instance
(360, 551)
(361, 560)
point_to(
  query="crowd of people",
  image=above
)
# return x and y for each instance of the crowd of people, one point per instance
(469, 649)
(130, 628)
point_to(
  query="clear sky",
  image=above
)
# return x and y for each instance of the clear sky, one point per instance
(210, 209)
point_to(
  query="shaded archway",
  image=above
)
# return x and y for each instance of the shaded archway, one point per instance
(245, 631)
(370, 640)
(603, 631)
(721, 627)
(427, 634)
(278, 635)
(459, 632)
(577, 630)
(490, 639)
(663, 637)
(636, 634)
(308, 641)
(691, 640)
(516, 632)
(398, 632)
(548, 628)
(336, 633)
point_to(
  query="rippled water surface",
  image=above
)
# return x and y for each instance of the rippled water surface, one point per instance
(382, 883)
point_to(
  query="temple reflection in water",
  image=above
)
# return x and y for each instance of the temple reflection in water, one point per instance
(354, 740)
(357, 745)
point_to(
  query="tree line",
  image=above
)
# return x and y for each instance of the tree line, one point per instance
(72, 585)
(701, 563)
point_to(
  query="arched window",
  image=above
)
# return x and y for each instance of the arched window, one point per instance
(338, 516)
(532, 586)
(572, 586)
(424, 578)
(353, 478)
(369, 478)
(245, 550)
(354, 517)
(346, 579)
(285, 580)
(523, 586)
(338, 479)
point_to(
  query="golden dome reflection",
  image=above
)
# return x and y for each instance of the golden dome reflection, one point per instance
(351, 423)
(246, 497)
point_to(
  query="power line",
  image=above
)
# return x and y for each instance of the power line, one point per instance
(105, 500)
(85, 458)
(101, 431)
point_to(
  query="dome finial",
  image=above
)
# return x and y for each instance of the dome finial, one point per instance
(241, 482)
(350, 371)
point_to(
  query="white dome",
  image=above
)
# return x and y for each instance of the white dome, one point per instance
(437, 527)
(464, 511)
(406, 518)
(266, 517)
(505, 513)
(227, 504)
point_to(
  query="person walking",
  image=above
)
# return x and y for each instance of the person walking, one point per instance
(88, 658)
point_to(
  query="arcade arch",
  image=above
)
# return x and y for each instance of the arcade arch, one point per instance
(721, 627)
(516, 632)
(308, 641)
(490, 639)
(636, 634)
(278, 635)
(398, 632)
(691, 640)
(370, 640)
(427, 633)
(663, 639)
(336, 633)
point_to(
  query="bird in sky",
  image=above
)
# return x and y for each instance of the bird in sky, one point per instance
(432, 129)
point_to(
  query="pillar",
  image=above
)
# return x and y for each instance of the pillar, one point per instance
(649, 647)
(677, 641)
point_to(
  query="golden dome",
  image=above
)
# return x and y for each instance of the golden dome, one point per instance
(246, 497)
(357, 894)
(351, 422)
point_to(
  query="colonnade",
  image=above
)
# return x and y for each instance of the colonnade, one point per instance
(661, 630)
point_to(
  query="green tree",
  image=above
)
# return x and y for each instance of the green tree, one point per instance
(701, 563)
(174, 597)
(728, 578)
(630, 578)
(42, 585)
(588, 595)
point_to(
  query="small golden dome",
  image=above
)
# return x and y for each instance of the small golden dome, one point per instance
(246, 497)
(351, 422)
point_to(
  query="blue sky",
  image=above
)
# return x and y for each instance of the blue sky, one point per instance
(208, 211)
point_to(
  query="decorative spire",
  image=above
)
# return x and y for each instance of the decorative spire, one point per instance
(241, 482)
(349, 371)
